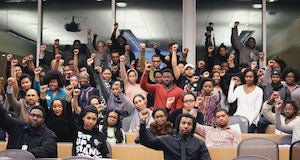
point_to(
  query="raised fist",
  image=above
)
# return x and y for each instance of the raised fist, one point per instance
(122, 58)
(278, 104)
(155, 45)
(76, 51)
(44, 88)
(211, 49)
(170, 100)
(271, 63)
(206, 74)
(10, 81)
(57, 57)
(76, 92)
(9, 57)
(236, 24)
(175, 47)
(37, 71)
(89, 31)
(14, 62)
(90, 61)
(199, 100)
(30, 57)
(93, 56)
(148, 65)
(109, 42)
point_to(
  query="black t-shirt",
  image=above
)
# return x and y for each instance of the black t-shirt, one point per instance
(90, 144)
(182, 81)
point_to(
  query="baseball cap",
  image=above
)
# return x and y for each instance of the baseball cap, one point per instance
(189, 65)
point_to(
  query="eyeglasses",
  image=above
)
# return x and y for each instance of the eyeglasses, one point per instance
(155, 61)
(188, 101)
(35, 115)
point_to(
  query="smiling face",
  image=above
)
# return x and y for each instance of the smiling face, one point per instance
(216, 77)
(53, 84)
(57, 107)
(249, 78)
(84, 79)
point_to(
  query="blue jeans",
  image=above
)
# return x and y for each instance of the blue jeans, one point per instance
(262, 124)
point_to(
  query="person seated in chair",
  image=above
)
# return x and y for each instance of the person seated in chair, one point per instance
(222, 135)
(33, 136)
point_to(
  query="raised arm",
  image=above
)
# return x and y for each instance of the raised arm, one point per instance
(174, 61)
(153, 142)
(77, 109)
(123, 74)
(150, 88)
(278, 125)
(235, 41)
(11, 98)
(232, 95)
(89, 41)
(103, 89)
(75, 63)
(267, 107)
(13, 74)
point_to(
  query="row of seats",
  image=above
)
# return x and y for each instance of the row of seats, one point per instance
(135, 151)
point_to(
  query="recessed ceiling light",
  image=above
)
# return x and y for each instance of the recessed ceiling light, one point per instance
(121, 3)
(257, 6)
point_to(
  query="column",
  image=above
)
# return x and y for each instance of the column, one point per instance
(189, 29)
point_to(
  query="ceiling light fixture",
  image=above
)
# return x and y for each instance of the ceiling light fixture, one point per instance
(257, 6)
(121, 3)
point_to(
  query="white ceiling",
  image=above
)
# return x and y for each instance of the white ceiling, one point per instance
(151, 20)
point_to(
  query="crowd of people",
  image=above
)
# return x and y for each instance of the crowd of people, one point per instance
(83, 93)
